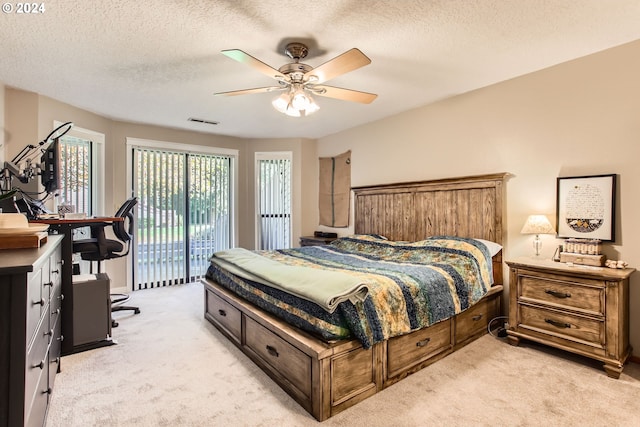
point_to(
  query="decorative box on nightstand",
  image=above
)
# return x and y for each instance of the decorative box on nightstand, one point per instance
(581, 309)
(315, 241)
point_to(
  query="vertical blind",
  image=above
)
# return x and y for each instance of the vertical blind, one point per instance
(75, 173)
(183, 214)
(274, 202)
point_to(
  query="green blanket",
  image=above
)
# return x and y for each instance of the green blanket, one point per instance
(323, 287)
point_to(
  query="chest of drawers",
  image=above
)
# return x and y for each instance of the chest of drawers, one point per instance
(580, 309)
(30, 325)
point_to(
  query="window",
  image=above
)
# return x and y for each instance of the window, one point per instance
(76, 182)
(273, 200)
(81, 160)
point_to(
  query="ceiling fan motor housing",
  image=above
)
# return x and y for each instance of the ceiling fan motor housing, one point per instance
(296, 51)
(295, 71)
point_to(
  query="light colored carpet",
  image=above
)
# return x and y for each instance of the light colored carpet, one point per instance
(172, 368)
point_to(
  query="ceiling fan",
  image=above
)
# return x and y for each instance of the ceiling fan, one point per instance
(299, 81)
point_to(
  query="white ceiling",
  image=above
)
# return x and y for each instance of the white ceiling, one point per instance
(159, 61)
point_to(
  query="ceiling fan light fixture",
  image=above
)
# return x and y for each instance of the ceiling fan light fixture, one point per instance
(300, 100)
(295, 103)
(283, 105)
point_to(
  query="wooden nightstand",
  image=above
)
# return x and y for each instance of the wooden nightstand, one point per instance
(315, 241)
(581, 309)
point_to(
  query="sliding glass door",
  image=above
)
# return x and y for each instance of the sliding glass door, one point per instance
(183, 215)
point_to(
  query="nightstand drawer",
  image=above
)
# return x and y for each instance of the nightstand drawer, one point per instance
(562, 292)
(575, 328)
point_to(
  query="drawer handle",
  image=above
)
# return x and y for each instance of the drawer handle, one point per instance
(61, 297)
(222, 313)
(47, 391)
(61, 338)
(56, 312)
(476, 317)
(48, 284)
(55, 271)
(49, 333)
(272, 351)
(557, 294)
(557, 324)
(423, 343)
(39, 365)
(41, 302)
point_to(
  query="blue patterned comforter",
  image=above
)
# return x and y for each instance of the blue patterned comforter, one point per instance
(411, 285)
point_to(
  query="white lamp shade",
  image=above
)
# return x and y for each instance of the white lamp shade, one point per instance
(537, 224)
(296, 102)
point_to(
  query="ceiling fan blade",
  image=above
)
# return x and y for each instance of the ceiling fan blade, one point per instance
(348, 61)
(249, 91)
(256, 64)
(344, 94)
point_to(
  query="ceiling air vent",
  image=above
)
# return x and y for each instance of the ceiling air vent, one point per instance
(209, 122)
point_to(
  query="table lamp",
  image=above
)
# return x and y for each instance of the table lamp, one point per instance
(537, 224)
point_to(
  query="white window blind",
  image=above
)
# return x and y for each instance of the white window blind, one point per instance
(76, 174)
(273, 172)
(184, 214)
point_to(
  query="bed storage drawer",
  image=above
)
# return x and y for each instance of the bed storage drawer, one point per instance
(280, 357)
(474, 321)
(406, 351)
(224, 314)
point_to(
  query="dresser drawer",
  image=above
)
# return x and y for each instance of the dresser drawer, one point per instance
(563, 292)
(35, 302)
(405, 351)
(567, 326)
(224, 314)
(55, 306)
(37, 363)
(282, 358)
(36, 403)
(55, 346)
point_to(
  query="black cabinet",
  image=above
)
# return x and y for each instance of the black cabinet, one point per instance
(30, 331)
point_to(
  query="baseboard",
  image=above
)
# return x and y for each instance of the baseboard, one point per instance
(634, 359)
(121, 290)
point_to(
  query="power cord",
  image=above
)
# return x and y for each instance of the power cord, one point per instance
(501, 331)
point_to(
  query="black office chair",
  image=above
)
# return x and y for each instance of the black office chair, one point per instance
(98, 248)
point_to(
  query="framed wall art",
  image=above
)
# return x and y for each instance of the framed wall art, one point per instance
(586, 207)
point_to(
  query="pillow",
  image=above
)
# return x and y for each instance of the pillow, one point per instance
(493, 247)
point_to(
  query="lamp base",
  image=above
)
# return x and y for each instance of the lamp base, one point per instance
(537, 244)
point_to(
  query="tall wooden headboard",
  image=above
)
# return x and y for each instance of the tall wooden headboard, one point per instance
(465, 207)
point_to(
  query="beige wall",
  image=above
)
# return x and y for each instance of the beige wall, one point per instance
(578, 118)
(30, 117)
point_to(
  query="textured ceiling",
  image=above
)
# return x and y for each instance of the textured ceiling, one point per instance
(159, 61)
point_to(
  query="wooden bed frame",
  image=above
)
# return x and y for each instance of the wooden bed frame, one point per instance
(327, 378)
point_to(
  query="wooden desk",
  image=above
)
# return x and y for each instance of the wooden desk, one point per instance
(66, 227)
